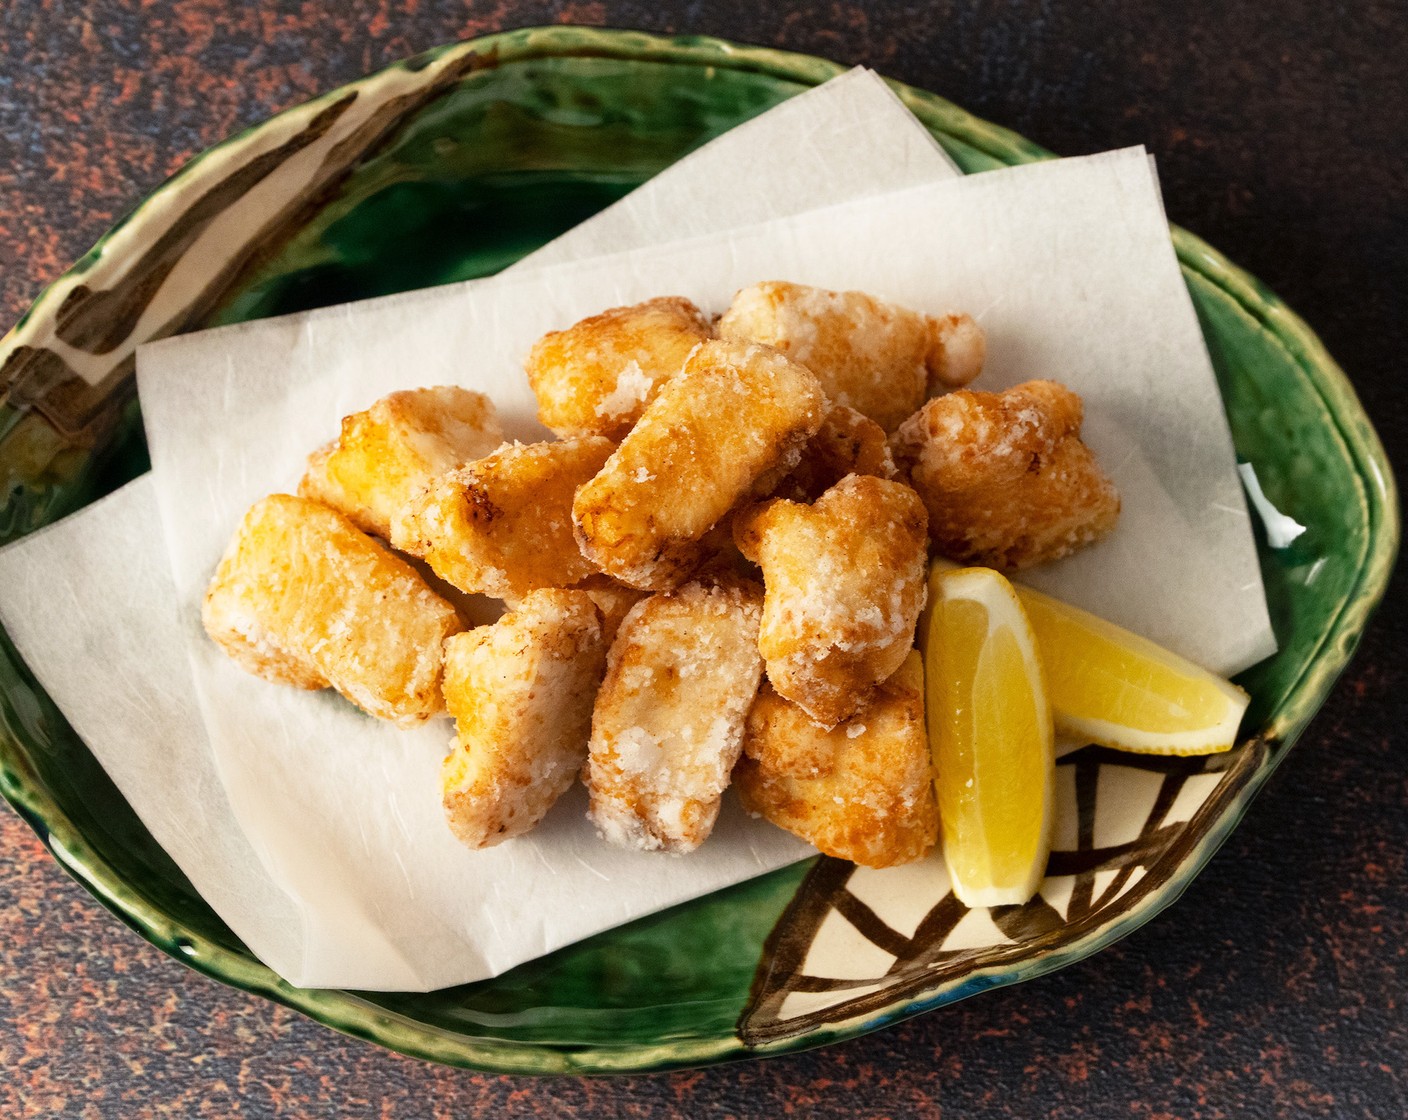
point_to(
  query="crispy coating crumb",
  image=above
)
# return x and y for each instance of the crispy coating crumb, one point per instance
(957, 349)
(735, 413)
(521, 692)
(845, 585)
(1005, 477)
(503, 525)
(303, 597)
(668, 724)
(846, 443)
(863, 791)
(876, 357)
(385, 454)
(597, 376)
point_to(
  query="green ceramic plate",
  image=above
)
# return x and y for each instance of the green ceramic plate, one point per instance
(451, 166)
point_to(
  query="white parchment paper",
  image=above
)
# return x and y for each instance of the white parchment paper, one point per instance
(90, 604)
(825, 146)
(1068, 265)
(322, 848)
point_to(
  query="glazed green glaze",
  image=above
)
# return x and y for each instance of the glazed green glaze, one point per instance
(506, 162)
(1305, 469)
(564, 122)
(613, 982)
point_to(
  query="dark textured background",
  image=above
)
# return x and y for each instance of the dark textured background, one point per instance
(1275, 988)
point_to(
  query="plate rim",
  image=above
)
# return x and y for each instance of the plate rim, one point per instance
(348, 1013)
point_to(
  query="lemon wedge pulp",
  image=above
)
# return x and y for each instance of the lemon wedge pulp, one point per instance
(1114, 688)
(990, 730)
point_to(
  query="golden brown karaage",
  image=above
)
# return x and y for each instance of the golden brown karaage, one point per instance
(668, 723)
(862, 791)
(597, 376)
(735, 413)
(845, 585)
(303, 597)
(388, 452)
(1005, 477)
(503, 525)
(521, 692)
(879, 359)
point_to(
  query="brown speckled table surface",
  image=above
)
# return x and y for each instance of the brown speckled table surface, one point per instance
(1281, 137)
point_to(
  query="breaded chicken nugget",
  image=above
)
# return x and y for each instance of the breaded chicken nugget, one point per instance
(302, 596)
(387, 453)
(521, 692)
(735, 413)
(845, 585)
(503, 524)
(878, 358)
(596, 377)
(846, 443)
(1006, 479)
(668, 724)
(863, 791)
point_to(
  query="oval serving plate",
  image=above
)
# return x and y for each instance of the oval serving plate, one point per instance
(452, 165)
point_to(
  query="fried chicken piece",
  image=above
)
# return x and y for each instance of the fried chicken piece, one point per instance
(736, 413)
(503, 524)
(614, 601)
(846, 443)
(863, 791)
(880, 359)
(387, 453)
(597, 376)
(845, 585)
(303, 597)
(521, 692)
(668, 724)
(1005, 477)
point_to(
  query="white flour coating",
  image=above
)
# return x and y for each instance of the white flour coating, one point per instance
(633, 385)
(669, 719)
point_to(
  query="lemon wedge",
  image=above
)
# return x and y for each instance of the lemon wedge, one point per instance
(1114, 688)
(990, 731)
